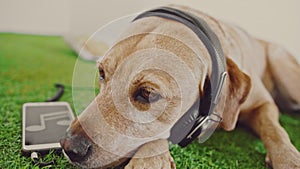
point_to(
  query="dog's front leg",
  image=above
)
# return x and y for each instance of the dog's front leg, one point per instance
(280, 151)
(152, 155)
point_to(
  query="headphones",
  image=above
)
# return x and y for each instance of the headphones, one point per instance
(201, 116)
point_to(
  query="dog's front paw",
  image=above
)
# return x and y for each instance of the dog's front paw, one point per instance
(285, 157)
(153, 155)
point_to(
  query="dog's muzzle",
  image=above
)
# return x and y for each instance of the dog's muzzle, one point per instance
(76, 147)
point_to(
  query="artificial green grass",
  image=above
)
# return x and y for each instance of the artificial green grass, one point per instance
(31, 65)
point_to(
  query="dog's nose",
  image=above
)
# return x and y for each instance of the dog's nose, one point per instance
(76, 147)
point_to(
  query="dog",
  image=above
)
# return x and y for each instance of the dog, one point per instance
(156, 72)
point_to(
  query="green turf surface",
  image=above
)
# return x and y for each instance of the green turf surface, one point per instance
(31, 65)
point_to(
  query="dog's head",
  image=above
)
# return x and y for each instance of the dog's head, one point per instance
(148, 80)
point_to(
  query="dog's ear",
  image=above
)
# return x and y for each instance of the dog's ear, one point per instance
(238, 87)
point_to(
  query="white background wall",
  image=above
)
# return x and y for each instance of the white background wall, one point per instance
(35, 16)
(276, 20)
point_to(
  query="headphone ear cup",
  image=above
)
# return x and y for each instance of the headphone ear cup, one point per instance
(191, 137)
(206, 98)
(185, 124)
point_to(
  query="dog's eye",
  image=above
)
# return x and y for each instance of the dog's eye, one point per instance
(101, 74)
(146, 95)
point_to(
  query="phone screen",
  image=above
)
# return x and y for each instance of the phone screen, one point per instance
(44, 124)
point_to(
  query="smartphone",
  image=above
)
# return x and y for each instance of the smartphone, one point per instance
(43, 125)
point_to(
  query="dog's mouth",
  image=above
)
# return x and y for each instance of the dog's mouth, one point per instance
(119, 164)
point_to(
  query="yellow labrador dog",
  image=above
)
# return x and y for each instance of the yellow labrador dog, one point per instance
(156, 73)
